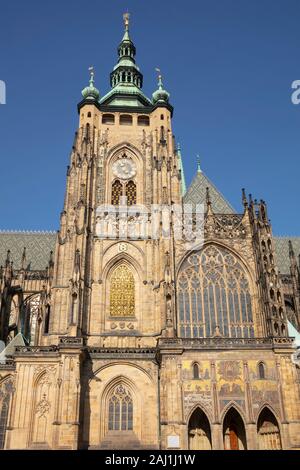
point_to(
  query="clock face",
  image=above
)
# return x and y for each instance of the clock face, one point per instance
(124, 168)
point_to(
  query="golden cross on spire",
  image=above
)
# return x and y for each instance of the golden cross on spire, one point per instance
(126, 17)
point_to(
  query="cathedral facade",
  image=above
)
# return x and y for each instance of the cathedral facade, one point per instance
(126, 329)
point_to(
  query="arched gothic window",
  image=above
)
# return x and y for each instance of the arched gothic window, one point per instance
(196, 371)
(116, 193)
(31, 318)
(122, 292)
(126, 189)
(6, 390)
(47, 319)
(214, 296)
(261, 370)
(13, 320)
(120, 410)
(131, 193)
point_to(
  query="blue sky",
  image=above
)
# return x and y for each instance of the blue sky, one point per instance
(228, 65)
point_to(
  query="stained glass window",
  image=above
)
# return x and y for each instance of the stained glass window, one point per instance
(131, 193)
(214, 295)
(120, 410)
(122, 294)
(116, 192)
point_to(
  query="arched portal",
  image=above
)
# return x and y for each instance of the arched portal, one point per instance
(268, 431)
(199, 434)
(234, 433)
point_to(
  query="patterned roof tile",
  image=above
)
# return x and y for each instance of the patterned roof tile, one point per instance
(38, 246)
(196, 194)
(282, 252)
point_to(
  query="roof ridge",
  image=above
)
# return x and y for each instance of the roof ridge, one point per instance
(29, 232)
(286, 236)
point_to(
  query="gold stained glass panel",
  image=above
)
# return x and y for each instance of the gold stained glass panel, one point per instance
(131, 193)
(116, 193)
(122, 295)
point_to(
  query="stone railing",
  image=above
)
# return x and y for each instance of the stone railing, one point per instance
(224, 343)
(35, 349)
(70, 341)
(284, 341)
(7, 364)
(122, 353)
(35, 275)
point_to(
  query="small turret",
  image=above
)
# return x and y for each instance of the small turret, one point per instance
(160, 95)
(91, 92)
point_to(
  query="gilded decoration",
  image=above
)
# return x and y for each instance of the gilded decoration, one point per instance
(122, 295)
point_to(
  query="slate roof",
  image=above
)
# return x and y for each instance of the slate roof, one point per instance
(38, 246)
(282, 252)
(196, 194)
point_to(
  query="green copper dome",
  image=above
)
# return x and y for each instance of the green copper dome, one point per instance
(91, 92)
(160, 95)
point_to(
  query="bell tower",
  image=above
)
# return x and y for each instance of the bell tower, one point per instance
(113, 280)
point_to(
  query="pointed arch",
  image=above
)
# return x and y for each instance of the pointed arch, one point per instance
(122, 292)
(196, 370)
(6, 391)
(135, 190)
(261, 369)
(199, 432)
(214, 294)
(42, 410)
(268, 431)
(116, 192)
(31, 318)
(132, 297)
(120, 405)
(130, 192)
(234, 432)
(120, 409)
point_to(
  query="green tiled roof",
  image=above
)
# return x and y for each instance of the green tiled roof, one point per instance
(38, 246)
(282, 252)
(196, 194)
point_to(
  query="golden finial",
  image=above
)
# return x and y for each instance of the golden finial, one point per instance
(126, 17)
(92, 73)
(158, 72)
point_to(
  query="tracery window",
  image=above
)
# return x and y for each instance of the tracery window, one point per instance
(123, 189)
(116, 193)
(31, 318)
(214, 296)
(6, 390)
(120, 410)
(122, 292)
(131, 193)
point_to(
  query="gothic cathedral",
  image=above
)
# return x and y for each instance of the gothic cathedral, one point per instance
(121, 334)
